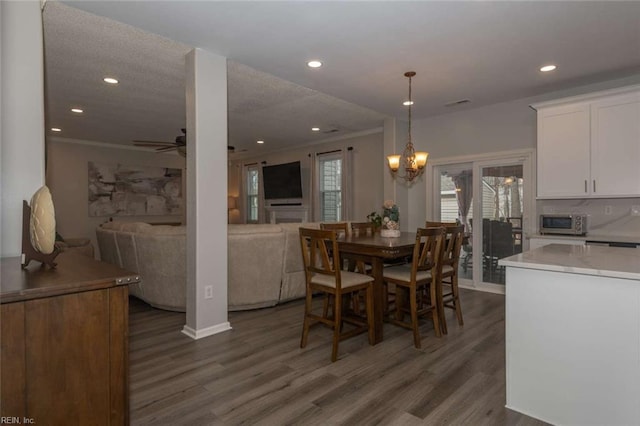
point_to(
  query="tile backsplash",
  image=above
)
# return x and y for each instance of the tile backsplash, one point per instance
(612, 216)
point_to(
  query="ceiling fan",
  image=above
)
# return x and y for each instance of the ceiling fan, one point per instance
(180, 144)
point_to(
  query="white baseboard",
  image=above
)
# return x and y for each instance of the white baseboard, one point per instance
(206, 332)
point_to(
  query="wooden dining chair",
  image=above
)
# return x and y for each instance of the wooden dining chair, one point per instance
(323, 274)
(342, 229)
(362, 228)
(413, 278)
(449, 297)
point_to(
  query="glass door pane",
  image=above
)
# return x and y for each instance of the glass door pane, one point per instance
(502, 211)
(456, 205)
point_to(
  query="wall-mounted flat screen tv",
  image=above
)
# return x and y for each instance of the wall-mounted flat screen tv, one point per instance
(282, 181)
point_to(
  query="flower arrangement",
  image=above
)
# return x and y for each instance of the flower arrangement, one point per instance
(375, 218)
(390, 216)
(390, 219)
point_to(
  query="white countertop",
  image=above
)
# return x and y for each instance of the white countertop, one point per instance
(614, 262)
(592, 237)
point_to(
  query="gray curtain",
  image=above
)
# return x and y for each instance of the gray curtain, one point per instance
(464, 195)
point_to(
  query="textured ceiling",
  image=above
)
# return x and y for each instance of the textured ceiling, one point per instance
(484, 51)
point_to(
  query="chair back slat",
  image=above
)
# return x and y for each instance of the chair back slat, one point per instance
(427, 252)
(454, 234)
(451, 252)
(320, 253)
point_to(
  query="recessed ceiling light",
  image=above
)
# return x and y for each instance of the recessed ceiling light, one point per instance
(56, 129)
(315, 129)
(314, 64)
(110, 80)
(548, 68)
(260, 142)
(407, 103)
(77, 110)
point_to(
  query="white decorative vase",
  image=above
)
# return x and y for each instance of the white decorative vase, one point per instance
(389, 233)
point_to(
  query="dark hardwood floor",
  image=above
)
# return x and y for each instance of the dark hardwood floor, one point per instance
(257, 373)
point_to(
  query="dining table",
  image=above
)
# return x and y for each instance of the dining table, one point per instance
(375, 250)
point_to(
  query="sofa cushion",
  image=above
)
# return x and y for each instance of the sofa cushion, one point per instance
(253, 229)
(165, 230)
(126, 226)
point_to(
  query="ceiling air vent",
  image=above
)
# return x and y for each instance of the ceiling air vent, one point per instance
(457, 103)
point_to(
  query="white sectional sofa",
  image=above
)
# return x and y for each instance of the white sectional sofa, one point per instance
(264, 262)
(157, 253)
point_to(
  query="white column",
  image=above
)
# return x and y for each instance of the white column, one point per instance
(206, 94)
(21, 115)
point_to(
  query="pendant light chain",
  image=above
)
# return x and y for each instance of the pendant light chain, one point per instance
(410, 164)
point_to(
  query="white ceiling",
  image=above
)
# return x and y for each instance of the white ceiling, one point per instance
(484, 51)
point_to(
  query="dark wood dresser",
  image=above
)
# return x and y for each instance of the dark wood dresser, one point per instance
(64, 342)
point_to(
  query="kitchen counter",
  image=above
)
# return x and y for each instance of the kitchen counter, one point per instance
(572, 325)
(614, 262)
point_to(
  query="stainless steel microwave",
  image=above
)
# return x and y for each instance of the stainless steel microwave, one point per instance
(567, 224)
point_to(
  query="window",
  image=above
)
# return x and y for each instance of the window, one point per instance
(330, 186)
(252, 179)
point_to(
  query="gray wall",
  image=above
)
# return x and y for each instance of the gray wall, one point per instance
(494, 128)
(67, 177)
(367, 164)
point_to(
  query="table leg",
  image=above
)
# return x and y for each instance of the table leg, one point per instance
(378, 298)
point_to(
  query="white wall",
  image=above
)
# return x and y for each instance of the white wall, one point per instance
(22, 109)
(67, 177)
(367, 164)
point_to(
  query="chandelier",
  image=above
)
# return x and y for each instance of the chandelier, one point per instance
(410, 161)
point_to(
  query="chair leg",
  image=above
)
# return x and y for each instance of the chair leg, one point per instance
(413, 303)
(434, 310)
(337, 325)
(440, 306)
(399, 302)
(326, 301)
(355, 302)
(456, 299)
(305, 324)
(370, 319)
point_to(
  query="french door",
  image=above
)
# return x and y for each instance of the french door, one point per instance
(493, 199)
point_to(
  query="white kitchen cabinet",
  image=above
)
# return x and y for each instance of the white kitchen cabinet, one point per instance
(537, 242)
(615, 146)
(563, 150)
(589, 146)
